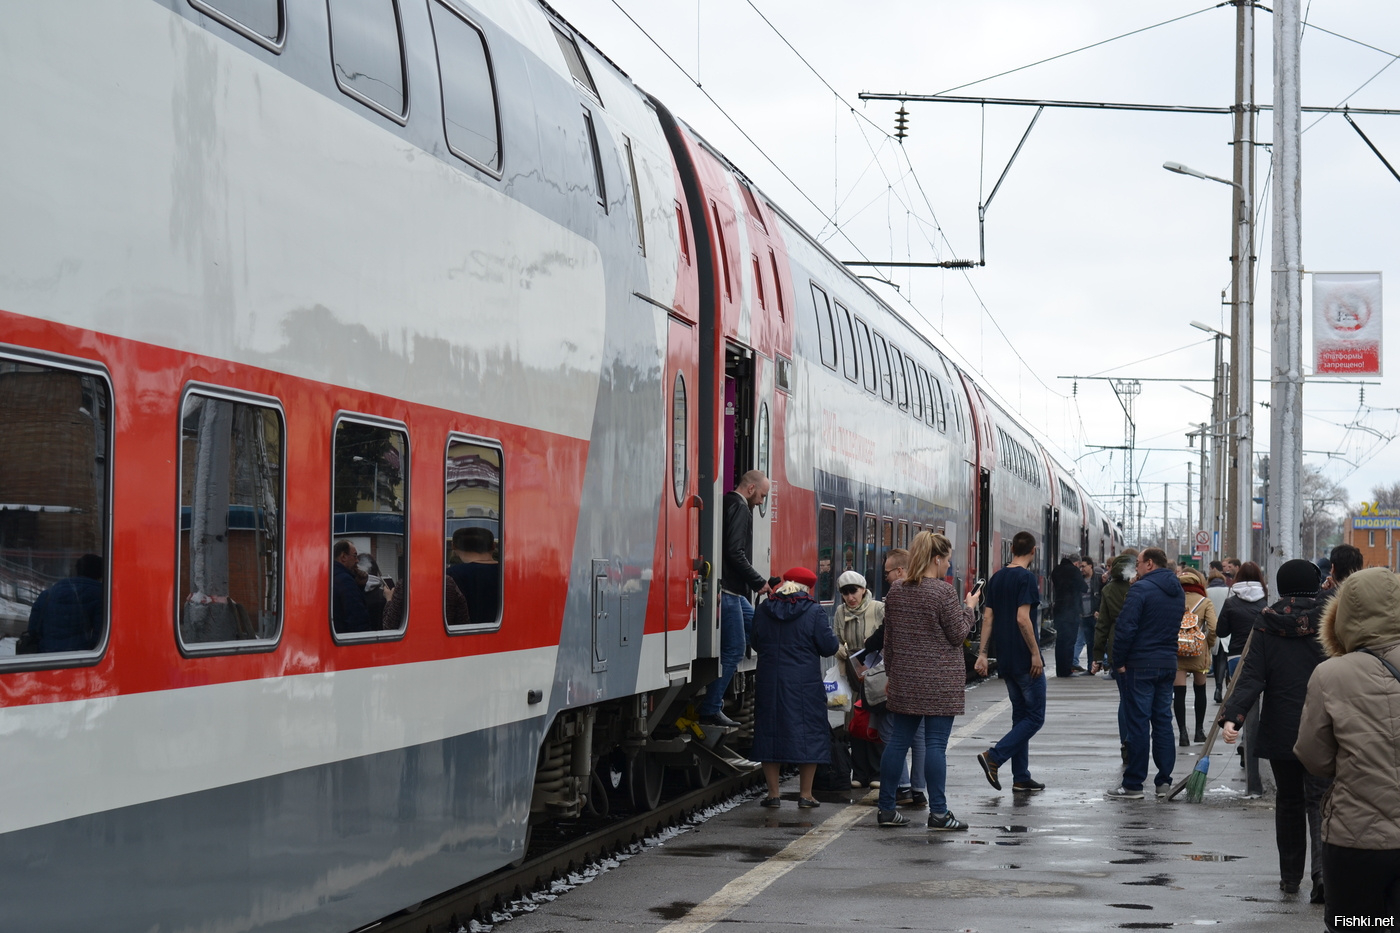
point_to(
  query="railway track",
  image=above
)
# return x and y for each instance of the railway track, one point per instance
(478, 899)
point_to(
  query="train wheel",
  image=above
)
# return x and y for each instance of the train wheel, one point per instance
(701, 773)
(644, 780)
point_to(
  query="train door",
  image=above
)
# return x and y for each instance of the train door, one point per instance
(682, 505)
(984, 523)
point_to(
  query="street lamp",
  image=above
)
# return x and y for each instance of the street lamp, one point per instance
(1239, 513)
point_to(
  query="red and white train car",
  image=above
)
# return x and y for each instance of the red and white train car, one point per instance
(275, 276)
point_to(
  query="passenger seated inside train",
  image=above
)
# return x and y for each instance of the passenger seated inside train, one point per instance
(68, 615)
(477, 573)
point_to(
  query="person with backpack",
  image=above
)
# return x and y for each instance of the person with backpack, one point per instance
(1282, 656)
(1195, 645)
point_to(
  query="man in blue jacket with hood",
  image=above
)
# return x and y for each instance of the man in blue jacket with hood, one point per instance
(1144, 652)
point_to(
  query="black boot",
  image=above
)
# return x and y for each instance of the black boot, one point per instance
(1200, 712)
(1179, 705)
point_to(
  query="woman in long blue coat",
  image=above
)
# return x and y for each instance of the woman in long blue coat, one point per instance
(791, 635)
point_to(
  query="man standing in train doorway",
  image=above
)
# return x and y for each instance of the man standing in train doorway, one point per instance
(738, 581)
(1009, 620)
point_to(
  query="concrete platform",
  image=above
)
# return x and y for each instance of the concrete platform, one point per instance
(1064, 859)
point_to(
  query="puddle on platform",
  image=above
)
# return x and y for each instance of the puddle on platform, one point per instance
(673, 911)
(1215, 858)
(1158, 881)
(736, 853)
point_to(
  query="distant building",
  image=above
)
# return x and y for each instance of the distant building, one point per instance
(1376, 531)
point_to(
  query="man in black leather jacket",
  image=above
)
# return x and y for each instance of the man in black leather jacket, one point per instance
(738, 581)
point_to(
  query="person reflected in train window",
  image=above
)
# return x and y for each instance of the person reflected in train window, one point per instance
(1009, 617)
(349, 610)
(477, 572)
(738, 582)
(367, 575)
(68, 615)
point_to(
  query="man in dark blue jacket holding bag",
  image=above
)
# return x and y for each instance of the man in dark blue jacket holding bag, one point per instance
(1144, 653)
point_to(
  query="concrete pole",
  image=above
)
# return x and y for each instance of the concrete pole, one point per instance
(1286, 380)
(1239, 521)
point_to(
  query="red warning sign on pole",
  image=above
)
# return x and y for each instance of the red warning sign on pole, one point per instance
(1347, 323)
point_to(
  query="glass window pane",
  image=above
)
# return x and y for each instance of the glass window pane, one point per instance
(367, 51)
(468, 92)
(473, 584)
(826, 549)
(369, 553)
(679, 433)
(576, 64)
(230, 521)
(54, 488)
(255, 17)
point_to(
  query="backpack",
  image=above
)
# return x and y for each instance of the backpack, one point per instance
(1191, 639)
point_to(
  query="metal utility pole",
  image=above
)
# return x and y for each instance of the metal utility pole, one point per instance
(1285, 496)
(1239, 514)
(1127, 390)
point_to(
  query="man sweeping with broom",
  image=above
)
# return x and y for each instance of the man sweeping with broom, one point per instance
(1145, 653)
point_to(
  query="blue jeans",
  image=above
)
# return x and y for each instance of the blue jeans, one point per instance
(936, 732)
(1147, 701)
(885, 724)
(735, 621)
(1085, 640)
(1027, 696)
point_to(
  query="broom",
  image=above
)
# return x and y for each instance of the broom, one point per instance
(1195, 782)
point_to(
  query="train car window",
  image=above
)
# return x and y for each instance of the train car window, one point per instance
(369, 493)
(826, 331)
(869, 370)
(916, 394)
(850, 534)
(763, 444)
(229, 575)
(636, 196)
(758, 282)
(600, 186)
(680, 434)
(874, 573)
(723, 250)
(470, 115)
(784, 378)
(367, 52)
(940, 406)
(263, 21)
(684, 236)
(848, 343)
(882, 353)
(826, 553)
(901, 382)
(55, 504)
(473, 578)
(577, 66)
(752, 203)
(777, 286)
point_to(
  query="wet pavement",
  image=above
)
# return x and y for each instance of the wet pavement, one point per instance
(1064, 859)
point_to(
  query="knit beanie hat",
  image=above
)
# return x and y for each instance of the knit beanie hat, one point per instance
(1298, 578)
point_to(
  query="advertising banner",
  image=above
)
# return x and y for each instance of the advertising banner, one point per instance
(1347, 323)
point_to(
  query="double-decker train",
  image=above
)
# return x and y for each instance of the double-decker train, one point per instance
(290, 289)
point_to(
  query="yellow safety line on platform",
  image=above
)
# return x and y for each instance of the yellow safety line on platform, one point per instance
(756, 880)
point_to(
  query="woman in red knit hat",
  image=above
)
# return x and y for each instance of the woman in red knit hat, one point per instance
(791, 635)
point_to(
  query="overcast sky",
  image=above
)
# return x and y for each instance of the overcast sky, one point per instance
(1097, 258)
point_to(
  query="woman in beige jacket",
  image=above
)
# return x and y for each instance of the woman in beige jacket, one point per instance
(1350, 731)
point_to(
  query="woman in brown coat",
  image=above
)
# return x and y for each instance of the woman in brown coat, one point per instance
(1195, 668)
(1350, 731)
(925, 627)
